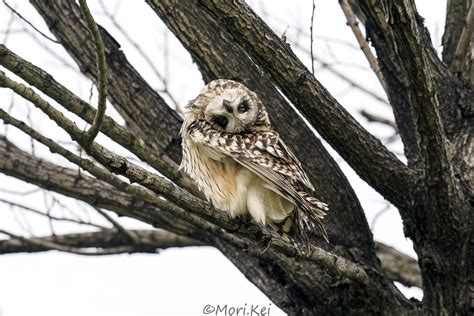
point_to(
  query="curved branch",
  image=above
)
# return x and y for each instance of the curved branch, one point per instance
(92, 132)
(398, 266)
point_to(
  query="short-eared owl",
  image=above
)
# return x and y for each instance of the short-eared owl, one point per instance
(242, 165)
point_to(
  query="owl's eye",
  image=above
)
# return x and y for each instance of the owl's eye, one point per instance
(243, 107)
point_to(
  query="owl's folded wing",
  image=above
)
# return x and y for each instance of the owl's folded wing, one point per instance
(263, 153)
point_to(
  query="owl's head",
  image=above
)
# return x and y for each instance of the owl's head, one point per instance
(231, 107)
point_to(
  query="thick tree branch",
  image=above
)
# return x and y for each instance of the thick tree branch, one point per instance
(383, 170)
(463, 46)
(413, 71)
(405, 48)
(433, 110)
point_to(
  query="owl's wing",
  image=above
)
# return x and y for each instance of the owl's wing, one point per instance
(266, 155)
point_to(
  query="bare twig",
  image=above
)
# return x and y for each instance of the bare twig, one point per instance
(9, 28)
(353, 24)
(378, 215)
(311, 36)
(464, 42)
(49, 216)
(19, 193)
(116, 224)
(378, 119)
(102, 74)
(29, 23)
(145, 57)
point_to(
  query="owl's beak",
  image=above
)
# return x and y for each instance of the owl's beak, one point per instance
(220, 121)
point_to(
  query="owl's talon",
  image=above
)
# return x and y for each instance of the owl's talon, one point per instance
(239, 221)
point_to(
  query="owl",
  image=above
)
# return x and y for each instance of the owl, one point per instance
(241, 164)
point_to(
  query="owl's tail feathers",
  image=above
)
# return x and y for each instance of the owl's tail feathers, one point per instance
(311, 216)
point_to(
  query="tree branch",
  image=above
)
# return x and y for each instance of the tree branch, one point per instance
(464, 42)
(383, 171)
(49, 216)
(364, 46)
(411, 67)
(147, 241)
(456, 11)
(375, 118)
(52, 245)
(92, 132)
(399, 267)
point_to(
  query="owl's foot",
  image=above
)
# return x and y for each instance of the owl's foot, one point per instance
(238, 222)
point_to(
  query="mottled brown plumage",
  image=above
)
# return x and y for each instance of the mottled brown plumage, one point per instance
(241, 164)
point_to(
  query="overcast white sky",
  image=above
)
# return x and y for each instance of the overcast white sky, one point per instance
(176, 281)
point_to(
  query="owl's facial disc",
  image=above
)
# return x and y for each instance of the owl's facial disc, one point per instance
(232, 111)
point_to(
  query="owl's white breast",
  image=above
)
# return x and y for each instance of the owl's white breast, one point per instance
(220, 178)
(232, 187)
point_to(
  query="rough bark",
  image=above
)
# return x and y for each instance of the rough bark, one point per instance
(435, 107)
(456, 14)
